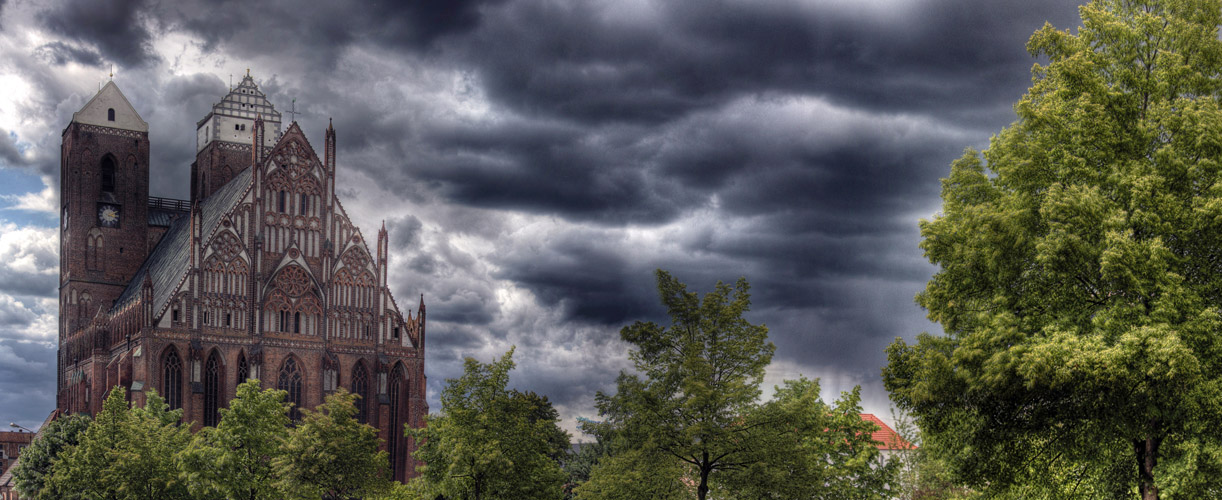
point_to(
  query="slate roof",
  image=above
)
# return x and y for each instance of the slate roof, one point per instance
(164, 217)
(6, 479)
(168, 262)
(886, 437)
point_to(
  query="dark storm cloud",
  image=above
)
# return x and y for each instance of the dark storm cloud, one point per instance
(592, 63)
(115, 27)
(320, 31)
(60, 53)
(551, 168)
(590, 278)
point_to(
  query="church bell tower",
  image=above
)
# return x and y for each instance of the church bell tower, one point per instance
(104, 190)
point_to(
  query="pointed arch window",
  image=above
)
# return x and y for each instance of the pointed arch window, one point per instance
(243, 369)
(398, 412)
(360, 387)
(290, 382)
(212, 390)
(108, 174)
(171, 380)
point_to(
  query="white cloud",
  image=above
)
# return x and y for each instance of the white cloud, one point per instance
(27, 250)
(45, 200)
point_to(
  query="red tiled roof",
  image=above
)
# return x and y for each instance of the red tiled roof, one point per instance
(887, 438)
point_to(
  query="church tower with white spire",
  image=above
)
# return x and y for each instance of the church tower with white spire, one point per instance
(223, 138)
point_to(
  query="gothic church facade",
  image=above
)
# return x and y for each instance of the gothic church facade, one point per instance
(261, 274)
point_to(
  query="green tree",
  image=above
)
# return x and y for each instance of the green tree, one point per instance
(1079, 273)
(635, 473)
(331, 455)
(124, 454)
(489, 442)
(802, 448)
(32, 471)
(701, 376)
(234, 459)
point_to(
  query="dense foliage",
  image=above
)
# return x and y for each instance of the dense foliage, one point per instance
(31, 472)
(234, 459)
(329, 454)
(489, 442)
(692, 422)
(1079, 275)
(125, 453)
(253, 453)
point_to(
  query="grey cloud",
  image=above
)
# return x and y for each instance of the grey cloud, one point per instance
(60, 53)
(9, 153)
(27, 374)
(115, 27)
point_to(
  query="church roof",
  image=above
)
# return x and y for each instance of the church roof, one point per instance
(110, 108)
(170, 260)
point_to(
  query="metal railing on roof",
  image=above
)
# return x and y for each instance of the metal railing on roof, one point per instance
(169, 204)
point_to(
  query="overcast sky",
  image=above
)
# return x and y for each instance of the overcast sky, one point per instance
(536, 160)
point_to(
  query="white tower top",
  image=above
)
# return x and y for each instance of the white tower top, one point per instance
(232, 119)
(110, 108)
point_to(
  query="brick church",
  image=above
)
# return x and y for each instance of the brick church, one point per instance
(259, 275)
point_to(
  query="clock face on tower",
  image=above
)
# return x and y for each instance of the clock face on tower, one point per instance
(108, 215)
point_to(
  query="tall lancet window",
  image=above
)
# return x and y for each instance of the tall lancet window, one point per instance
(243, 369)
(360, 387)
(212, 391)
(290, 381)
(171, 380)
(108, 174)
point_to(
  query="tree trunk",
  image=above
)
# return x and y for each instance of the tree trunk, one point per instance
(703, 490)
(1147, 458)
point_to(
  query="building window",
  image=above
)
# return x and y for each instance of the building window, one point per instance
(171, 380)
(290, 382)
(243, 369)
(296, 322)
(236, 127)
(108, 174)
(284, 321)
(212, 391)
(396, 334)
(206, 318)
(174, 314)
(228, 320)
(280, 200)
(360, 387)
(110, 114)
(305, 204)
(398, 396)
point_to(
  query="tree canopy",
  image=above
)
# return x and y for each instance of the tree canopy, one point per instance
(234, 459)
(32, 471)
(692, 420)
(489, 442)
(125, 454)
(1078, 282)
(329, 454)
